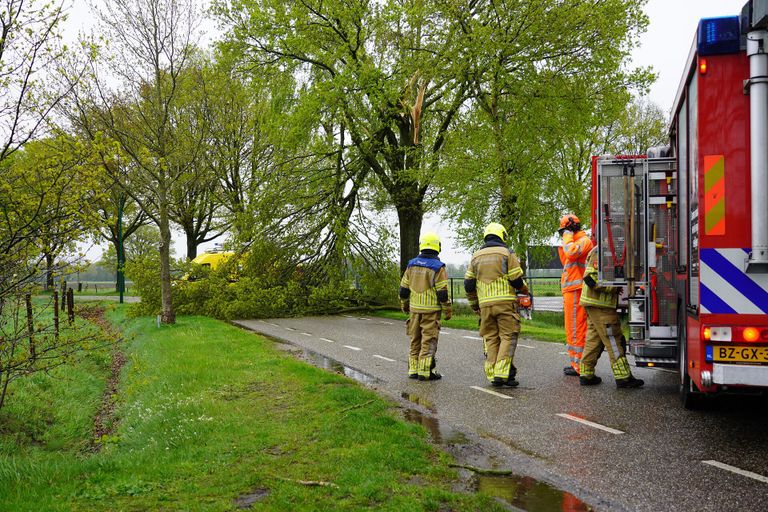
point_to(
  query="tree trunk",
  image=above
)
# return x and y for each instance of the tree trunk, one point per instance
(410, 217)
(168, 316)
(191, 245)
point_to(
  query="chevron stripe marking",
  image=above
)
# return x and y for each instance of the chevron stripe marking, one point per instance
(714, 195)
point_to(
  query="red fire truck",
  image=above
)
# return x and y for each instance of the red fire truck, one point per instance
(685, 227)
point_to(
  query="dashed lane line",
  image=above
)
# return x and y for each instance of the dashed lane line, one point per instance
(738, 471)
(350, 347)
(348, 316)
(491, 392)
(590, 423)
(473, 338)
(386, 323)
(273, 325)
(563, 353)
(289, 328)
(306, 334)
(377, 356)
(526, 346)
(326, 339)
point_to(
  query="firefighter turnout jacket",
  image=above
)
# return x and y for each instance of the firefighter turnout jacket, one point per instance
(591, 293)
(494, 275)
(424, 286)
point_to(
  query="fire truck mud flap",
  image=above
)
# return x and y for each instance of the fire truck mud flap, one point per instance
(747, 375)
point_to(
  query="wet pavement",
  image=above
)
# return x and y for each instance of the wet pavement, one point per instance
(596, 447)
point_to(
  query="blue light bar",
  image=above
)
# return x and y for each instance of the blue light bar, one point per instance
(719, 35)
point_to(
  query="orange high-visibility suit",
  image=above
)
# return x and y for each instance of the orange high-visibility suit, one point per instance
(573, 256)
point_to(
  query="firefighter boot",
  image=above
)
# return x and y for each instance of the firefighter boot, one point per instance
(629, 382)
(432, 376)
(497, 382)
(568, 370)
(590, 381)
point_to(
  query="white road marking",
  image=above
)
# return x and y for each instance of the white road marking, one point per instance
(668, 370)
(289, 328)
(386, 323)
(526, 346)
(352, 348)
(363, 318)
(590, 424)
(377, 356)
(326, 339)
(306, 334)
(738, 471)
(347, 316)
(273, 325)
(563, 353)
(473, 338)
(263, 321)
(491, 392)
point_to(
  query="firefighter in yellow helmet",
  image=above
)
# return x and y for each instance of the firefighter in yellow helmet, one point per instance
(492, 282)
(573, 255)
(424, 294)
(603, 330)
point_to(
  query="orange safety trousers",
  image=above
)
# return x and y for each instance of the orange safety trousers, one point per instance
(575, 327)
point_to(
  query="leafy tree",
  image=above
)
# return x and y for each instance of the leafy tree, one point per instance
(544, 72)
(387, 72)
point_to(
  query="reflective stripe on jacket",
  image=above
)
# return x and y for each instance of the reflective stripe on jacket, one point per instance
(573, 256)
(600, 296)
(491, 273)
(424, 279)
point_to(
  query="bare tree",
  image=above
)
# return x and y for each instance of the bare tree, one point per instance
(151, 44)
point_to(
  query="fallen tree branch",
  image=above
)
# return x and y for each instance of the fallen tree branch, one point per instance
(309, 483)
(356, 406)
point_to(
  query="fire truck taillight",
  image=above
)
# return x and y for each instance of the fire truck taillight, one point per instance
(716, 333)
(706, 333)
(751, 334)
(703, 65)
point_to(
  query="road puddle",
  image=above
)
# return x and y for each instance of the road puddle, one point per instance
(440, 434)
(330, 364)
(418, 400)
(529, 494)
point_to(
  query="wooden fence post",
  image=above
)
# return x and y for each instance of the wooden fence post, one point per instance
(56, 315)
(30, 327)
(71, 305)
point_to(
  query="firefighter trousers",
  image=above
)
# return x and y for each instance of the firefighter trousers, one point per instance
(575, 327)
(423, 328)
(604, 333)
(500, 327)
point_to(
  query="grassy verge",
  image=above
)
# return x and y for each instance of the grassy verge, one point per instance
(208, 413)
(545, 325)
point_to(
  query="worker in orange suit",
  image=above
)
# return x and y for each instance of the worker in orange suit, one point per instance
(573, 255)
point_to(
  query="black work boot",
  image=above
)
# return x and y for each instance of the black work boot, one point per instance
(590, 381)
(432, 376)
(629, 382)
(511, 382)
(568, 370)
(413, 376)
(497, 382)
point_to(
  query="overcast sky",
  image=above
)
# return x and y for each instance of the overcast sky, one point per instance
(664, 46)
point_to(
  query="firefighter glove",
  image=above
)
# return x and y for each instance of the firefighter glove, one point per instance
(447, 312)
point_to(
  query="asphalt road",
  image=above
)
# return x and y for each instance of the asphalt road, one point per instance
(642, 451)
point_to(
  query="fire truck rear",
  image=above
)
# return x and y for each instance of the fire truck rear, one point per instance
(685, 228)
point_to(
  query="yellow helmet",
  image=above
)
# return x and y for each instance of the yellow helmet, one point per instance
(494, 228)
(430, 240)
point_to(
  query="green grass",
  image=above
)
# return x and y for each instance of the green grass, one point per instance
(209, 412)
(545, 325)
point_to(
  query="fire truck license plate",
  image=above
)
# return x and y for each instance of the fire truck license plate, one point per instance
(740, 354)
